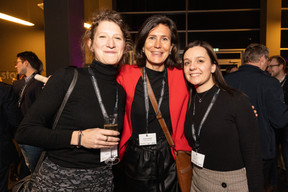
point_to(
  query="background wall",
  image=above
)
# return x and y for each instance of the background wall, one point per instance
(15, 38)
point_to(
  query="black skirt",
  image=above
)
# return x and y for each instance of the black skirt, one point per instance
(146, 168)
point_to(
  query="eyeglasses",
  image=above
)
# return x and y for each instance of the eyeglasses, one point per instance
(270, 66)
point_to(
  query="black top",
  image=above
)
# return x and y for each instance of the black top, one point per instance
(81, 112)
(31, 91)
(284, 85)
(229, 137)
(138, 116)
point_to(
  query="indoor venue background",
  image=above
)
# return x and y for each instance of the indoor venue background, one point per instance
(56, 36)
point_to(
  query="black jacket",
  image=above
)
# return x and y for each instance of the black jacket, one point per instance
(30, 94)
(266, 94)
(10, 117)
(284, 85)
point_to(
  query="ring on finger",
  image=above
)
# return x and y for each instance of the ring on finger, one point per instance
(107, 138)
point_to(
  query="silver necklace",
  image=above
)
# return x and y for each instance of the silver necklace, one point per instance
(200, 99)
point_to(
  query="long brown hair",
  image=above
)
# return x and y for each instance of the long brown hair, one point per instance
(217, 75)
(149, 24)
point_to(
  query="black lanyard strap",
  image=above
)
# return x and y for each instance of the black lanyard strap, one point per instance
(196, 137)
(146, 98)
(97, 91)
(27, 81)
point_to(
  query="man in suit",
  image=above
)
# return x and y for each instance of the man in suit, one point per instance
(10, 117)
(277, 68)
(266, 94)
(29, 64)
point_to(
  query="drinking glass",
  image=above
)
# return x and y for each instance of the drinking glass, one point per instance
(112, 124)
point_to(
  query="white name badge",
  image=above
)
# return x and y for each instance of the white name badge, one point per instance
(109, 152)
(197, 158)
(147, 139)
(104, 154)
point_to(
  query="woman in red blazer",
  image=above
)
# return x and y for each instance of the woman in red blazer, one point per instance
(147, 162)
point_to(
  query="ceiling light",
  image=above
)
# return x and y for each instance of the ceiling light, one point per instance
(41, 5)
(14, 19)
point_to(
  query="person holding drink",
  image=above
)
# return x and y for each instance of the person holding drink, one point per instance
(75, 149)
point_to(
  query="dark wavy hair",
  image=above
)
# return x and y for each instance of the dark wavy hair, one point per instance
(32, 58)
(148, 25)
(217, 75)
(107, 15)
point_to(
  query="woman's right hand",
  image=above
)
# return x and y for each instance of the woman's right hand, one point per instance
(96, 138)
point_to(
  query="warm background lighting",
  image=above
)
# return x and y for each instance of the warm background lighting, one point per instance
(15, 20)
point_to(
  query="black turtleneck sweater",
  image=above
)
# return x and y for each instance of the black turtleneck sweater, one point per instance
(81, 112)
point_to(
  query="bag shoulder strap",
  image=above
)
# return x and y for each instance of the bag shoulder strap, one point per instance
(66, 97)
(161, 120)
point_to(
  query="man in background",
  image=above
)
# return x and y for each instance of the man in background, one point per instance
(277, 68)
(266, 94)
(28, 64)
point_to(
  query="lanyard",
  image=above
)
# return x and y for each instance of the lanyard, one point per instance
(97, 91)
(197, 137)
(146, 98)
(283, 82)
(27, 80)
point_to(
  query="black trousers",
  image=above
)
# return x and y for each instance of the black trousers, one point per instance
(267, 168)
(4, 173)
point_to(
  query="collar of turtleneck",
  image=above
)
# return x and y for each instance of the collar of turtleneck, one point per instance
(105, 72)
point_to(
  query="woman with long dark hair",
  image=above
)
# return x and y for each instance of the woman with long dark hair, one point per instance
(220, 127)
(147, 159)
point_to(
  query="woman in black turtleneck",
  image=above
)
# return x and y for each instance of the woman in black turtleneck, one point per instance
(220, 127)
(73, 164)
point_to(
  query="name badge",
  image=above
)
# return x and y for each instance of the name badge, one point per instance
(147, 139)
(197, 158)
(107, 153)
(104, 154)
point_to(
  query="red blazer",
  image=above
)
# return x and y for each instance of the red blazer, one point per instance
(178, 100)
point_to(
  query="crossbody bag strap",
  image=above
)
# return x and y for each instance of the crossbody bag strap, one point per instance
(66, 97)
(161, 120)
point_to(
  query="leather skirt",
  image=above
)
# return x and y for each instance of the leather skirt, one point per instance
(147, 168)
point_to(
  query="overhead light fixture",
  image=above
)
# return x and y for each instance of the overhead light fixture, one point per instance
(41, 5)
(87, 25)
(15, 20)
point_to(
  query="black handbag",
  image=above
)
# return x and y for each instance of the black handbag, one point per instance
(25, 184)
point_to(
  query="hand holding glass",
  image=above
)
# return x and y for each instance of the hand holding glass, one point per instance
(112, 124)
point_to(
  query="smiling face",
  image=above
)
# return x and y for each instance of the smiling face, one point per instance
(198, 68)
(157, 47)
(108, 44)
(274, 68)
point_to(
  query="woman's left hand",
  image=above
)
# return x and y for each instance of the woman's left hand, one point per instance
(96, 138)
